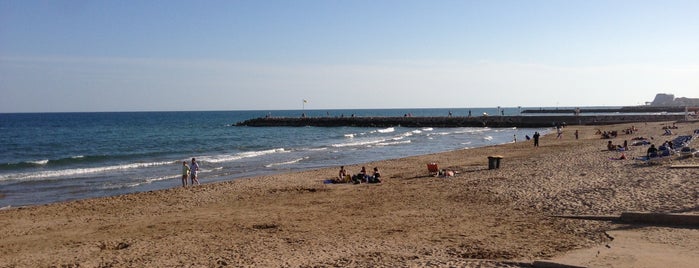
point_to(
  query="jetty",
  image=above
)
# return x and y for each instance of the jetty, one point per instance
(625, 109)
(457, 121)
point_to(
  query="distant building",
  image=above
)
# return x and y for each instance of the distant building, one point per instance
(662, 99)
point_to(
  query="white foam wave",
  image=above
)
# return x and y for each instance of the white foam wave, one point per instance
(77, 171)
(393, 143)
(39, 162)
(120, 186)
(349, 135)
(439, 133)
(78, 156)
(427, 129)
(359, 143)
(469, 131)
(238, 156)
(287, 162)
(386, 130)
(488, 138)
(417, 131)
(114, 186)
(151, 180)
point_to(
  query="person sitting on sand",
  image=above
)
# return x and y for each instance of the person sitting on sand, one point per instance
(652, 151)
(612, 147)
(376, 177)
(342, 174)
(362, 175)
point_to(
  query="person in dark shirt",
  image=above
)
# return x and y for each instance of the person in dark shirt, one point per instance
(652, 151)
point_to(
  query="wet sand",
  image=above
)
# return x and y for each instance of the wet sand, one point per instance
(480, 217)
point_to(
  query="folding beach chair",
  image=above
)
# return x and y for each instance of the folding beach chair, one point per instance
(433, 169)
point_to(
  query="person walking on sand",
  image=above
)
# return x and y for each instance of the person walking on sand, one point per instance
(576, 134)
(536, 139)
(194, 169)
(559, 131)
(185, 173)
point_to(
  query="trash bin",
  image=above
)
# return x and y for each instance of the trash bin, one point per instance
(494, 161)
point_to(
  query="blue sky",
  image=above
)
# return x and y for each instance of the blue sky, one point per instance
(59, 56)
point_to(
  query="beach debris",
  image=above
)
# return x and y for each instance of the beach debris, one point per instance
(549, 264)
(113, 245)
(265, 226)
(684, 166)
(657, 219)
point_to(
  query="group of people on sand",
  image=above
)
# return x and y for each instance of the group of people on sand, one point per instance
(617, 147)
(190, 171)
(361, 177)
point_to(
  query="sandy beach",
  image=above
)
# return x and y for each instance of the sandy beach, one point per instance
(478, 218)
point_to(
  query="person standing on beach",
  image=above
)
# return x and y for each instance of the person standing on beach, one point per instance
(536, 139)
(194, 169)
(185, 173)
(559, 131)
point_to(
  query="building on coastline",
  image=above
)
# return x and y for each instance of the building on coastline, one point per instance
(663, 99)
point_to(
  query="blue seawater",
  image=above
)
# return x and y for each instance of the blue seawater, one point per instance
(54, 157)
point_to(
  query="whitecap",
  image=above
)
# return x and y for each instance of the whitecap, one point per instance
(287, 162)
(238, 156)
(386, 130)
(151, 180)
(39, 162)
(317, 149)
(393, 143)
(358, 143)
(77, 171)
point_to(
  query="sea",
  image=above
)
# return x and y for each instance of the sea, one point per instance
(56, 157)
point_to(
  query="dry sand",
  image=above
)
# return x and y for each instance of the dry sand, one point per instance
(479, 218)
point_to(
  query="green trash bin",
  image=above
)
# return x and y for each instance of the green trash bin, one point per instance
(494, 161)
